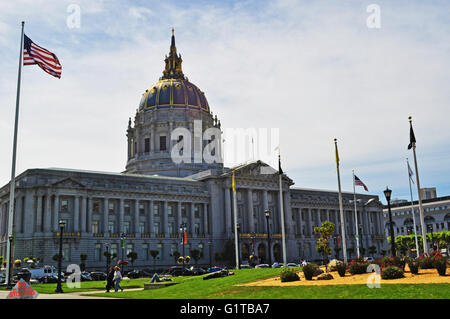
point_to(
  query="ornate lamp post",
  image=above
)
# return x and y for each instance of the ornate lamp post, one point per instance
(107, 257)
(387, 194)
(62, 224)
(183, 228)
(9, 280)
(267, 213)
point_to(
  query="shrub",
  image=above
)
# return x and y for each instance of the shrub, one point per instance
(289, 274)
(414, 266)
(441, 265)
(427, 260)
(358, 266)
(309, 271)
(392, 272)
(341, 268)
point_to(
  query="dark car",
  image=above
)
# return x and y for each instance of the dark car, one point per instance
(98, 275)
(85, 276)
(24, 274)
(178, 271)
(196, 271)
(49, 279)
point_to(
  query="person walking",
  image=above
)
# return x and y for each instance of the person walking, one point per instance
(117, 279)
(110, 279)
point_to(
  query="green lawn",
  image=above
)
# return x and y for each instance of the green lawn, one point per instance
(224, 288)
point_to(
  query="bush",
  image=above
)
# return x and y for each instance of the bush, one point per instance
(341, 268)
(427, 260)
(358, 266)
(289, 274)
(310, 270)
(392, 272)
(414, 266)
(441, 265)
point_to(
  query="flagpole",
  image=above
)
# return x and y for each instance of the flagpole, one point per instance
(356, 214)
(283, 232)
(412, 212)
(236, 244)
(422, 224)
(9, 253)
(341, 209)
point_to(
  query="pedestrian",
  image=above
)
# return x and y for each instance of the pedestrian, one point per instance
(110, 279)
(117, 279)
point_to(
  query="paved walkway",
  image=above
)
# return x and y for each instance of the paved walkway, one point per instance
(72, 295)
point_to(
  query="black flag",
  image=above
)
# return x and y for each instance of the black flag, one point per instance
(280, 171)
(412, 138)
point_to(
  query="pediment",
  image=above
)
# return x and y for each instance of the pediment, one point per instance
(69, 182)
(257, 169)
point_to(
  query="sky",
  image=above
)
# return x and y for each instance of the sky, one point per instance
(314, 70)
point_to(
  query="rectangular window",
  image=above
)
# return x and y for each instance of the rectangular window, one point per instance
(127, 207)
(64, 205)
(129, 249)
(95, 227)
(159, 248)
(111, 227)
(96, 207)
(141, 209)
(97, 252)
(111, 207)
(147, 145)
(156, 228)
(197, 228)
(145, 253)
(126, 227)
(162, 143)
(66, 252)
(196, 211)
(155, 209)
(169, 210)
(114, 249)
(183, 210)
(142, 227)
(173, 248)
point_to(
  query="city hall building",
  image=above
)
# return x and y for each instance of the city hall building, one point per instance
(154, 196)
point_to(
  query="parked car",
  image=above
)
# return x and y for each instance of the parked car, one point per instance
(369, 259)
(85, 276)
(38, 273)
(262, 266)
(2, 278)
(139, 274)
(214, 269)
(50, 279)
(24, 274)
(196, 271)
(291, 265)
(276, 265)
(98, 275)
(245, 266)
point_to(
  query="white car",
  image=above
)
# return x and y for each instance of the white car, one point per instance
(369, 259)
(37, 273)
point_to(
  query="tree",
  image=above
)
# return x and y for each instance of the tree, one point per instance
(196, 255)
(55, 257)
(323, 247)
(83, 258)
(133, 256)
(154, 254)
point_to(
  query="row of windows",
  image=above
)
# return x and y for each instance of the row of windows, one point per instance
(416, 210)
(430, 227)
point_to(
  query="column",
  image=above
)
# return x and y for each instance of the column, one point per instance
(205, 219)
(152, 212)
(251, 220)
(25, 221)
(165, 219)
(136, 216)
(179, 217)
(152, 139)
(121, 215)
(38, 213)
(2, 220)
(90, 208)
(227, 210)
(308, 222)
(76, 214)
(105, 215)
(48, 213)
(56, 214)
(83, 214)
(192, 219)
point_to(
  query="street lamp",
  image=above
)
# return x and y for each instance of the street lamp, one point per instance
(430, 228)
(183, 229)
(210, 253)
(11, 239)
(387, 194)
(267, 213)
(62, 224)
(107, 257)
(238, 226)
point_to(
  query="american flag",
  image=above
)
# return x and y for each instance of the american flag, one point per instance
(358, 182)
(34, 54)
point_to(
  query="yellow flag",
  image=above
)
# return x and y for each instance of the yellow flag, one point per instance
(233, 184)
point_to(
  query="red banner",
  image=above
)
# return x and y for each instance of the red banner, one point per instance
(185, 238)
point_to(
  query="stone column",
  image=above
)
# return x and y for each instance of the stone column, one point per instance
(2, 222)
(83, 214)
(56, 214)
(76, 214)
(308, 222)
(192, 219)
(165, 219)
(90, 210)
(227, 210)
(179, 217)
(48, 213)
(105, 215)
(39, 213)
(121, 215)
(205, 219)
(251, 220)
(152, 212)
(152, 139)
(25, 221)
(136, 216)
